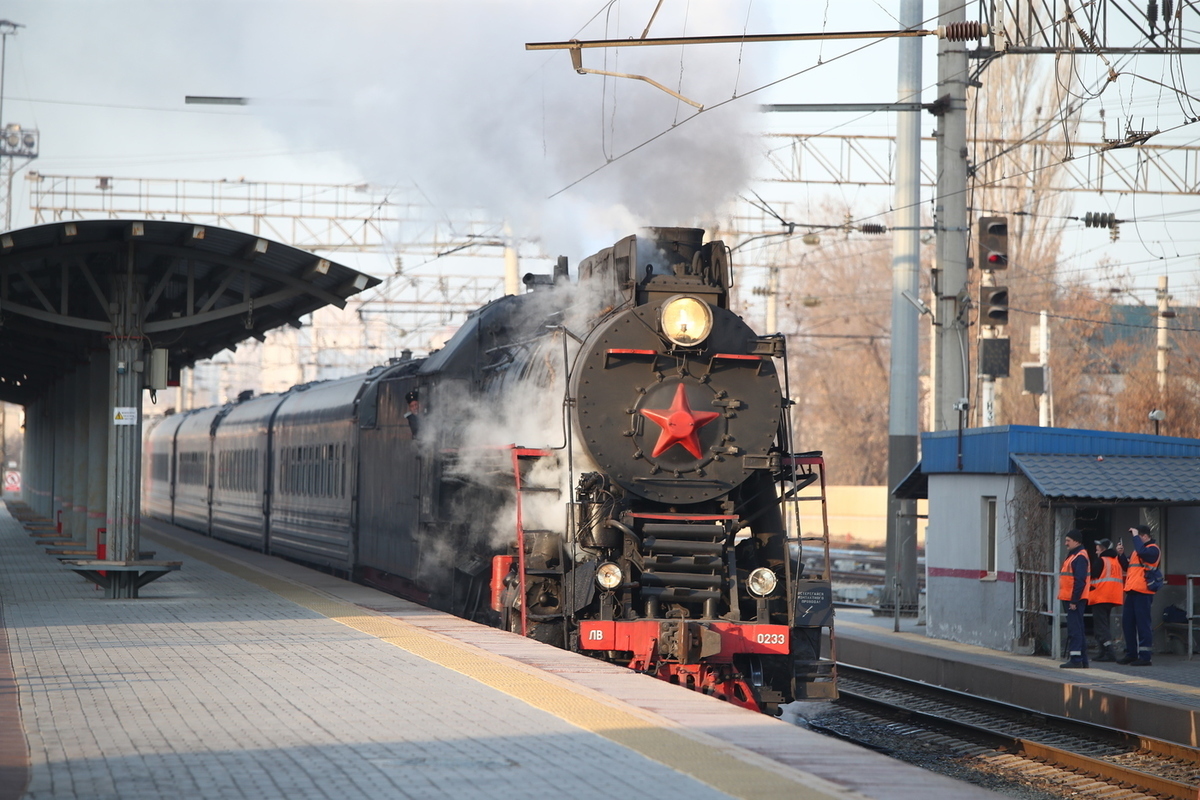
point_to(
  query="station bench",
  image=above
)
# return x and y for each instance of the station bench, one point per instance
(121, 579)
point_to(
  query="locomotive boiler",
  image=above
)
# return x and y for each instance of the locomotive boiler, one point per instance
(603, 464)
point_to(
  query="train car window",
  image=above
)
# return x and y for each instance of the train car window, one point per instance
(237, 470)
(285, 471)
(160, 466)
(192, 468)
(322, 472)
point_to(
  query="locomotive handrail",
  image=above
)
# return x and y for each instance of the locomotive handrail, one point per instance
(524, 599)
(518, 453)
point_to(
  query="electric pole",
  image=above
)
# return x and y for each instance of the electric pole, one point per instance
(900, 572)
(950, 288)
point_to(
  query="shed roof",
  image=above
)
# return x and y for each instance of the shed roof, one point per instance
(1079, 464)
(1112, 478)
(989, 450)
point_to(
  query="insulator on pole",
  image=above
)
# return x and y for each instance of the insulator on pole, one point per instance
(1152, 12)
(1099, 219)
(873, 228)
(963, 31)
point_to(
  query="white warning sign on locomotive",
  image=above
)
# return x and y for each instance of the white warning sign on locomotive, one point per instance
(125, 415)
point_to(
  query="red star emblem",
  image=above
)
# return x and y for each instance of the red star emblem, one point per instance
(679, 424)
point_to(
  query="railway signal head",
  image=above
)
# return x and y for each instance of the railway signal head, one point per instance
(993, 243)
(993, 305)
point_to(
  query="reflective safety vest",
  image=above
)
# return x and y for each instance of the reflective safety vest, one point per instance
(1066, 578)
(1108, 588)
(1135, 576)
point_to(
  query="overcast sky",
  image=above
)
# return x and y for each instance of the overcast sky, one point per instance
(443, 95)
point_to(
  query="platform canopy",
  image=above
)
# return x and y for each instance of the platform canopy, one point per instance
(196, 290)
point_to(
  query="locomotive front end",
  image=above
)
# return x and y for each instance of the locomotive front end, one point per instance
(683, 521)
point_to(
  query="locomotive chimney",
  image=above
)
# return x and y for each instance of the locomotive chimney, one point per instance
(679, 245)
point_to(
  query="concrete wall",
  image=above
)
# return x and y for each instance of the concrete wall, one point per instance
(965, 601)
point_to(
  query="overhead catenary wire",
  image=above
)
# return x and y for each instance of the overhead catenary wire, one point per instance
(719, 104)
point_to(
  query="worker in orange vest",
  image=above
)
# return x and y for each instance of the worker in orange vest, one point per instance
(1135, 616)
(1073, 591)
(1108, 592)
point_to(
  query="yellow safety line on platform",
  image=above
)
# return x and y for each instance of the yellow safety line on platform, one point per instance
(1047, 664)
(711, 765)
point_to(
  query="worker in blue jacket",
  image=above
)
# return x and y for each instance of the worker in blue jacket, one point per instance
(1074, 588)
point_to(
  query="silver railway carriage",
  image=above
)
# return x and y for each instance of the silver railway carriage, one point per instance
(158, 499)
(193, 460)
(242, 455)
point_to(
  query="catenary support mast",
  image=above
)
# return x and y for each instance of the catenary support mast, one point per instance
(900, 586)
(950, 288)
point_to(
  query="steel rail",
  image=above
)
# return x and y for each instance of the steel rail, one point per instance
(1077, 762)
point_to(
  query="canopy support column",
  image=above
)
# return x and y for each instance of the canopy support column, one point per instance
(125, 422)
(99, 420)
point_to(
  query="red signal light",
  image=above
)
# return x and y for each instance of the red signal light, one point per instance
(993, 243)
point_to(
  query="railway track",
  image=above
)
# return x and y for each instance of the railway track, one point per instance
(1058, 756)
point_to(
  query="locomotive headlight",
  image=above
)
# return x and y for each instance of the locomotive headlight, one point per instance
(608, 575)
(686, 320)
(762, 582)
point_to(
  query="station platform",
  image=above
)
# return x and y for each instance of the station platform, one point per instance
(242, 675)
(1161, 701)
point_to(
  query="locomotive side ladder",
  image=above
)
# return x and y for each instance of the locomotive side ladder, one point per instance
(519, 455)
(801, 470)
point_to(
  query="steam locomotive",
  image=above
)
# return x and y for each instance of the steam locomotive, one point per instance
(604, 464)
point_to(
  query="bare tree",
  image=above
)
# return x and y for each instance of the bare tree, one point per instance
(835, 306)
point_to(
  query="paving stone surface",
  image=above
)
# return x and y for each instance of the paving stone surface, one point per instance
(209, 686)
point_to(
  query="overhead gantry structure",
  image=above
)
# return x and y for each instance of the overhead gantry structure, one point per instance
(95, 312)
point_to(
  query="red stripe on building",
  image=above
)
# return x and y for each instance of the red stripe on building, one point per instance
(971, 574)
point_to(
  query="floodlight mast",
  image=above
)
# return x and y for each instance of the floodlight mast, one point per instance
(14, 142)
(7, 28)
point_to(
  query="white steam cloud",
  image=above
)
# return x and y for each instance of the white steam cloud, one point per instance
(525, 408)
(445, 95)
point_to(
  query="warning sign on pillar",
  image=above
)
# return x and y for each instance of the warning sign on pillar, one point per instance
(12, 481)
(125, 415)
